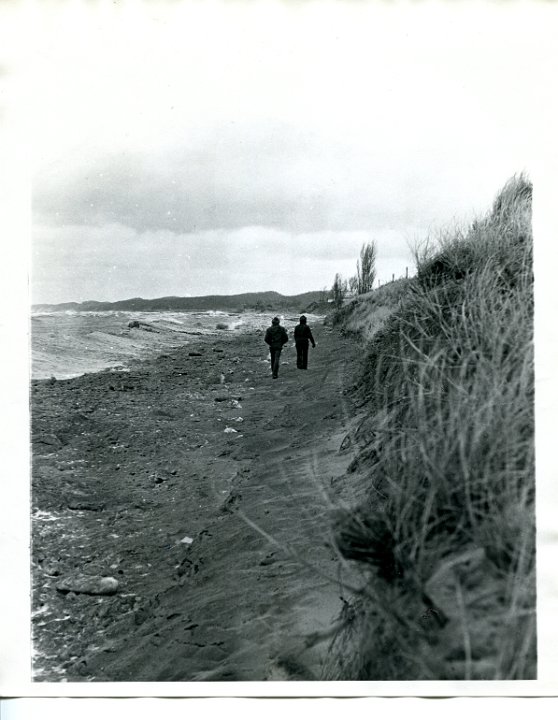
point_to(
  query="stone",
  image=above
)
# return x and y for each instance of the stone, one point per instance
(81, 668)
(159, 478)
(51, 568)
(88, 585)
(48, 439)
(85, 505)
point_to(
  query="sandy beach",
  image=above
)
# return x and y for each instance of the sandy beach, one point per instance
(204, 488)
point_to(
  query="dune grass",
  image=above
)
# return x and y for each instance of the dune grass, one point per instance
(364, 316)
(447, 533)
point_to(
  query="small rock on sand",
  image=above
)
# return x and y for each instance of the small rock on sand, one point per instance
(159, 477)
(51, 568)
(88, 585)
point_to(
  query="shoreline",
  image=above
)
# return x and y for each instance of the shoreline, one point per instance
(70, 344)
(197, 445)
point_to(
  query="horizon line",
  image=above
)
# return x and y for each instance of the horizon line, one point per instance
(178, 297)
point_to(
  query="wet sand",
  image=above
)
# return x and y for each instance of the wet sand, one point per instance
(220, 540)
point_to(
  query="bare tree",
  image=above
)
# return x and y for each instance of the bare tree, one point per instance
(366, 268)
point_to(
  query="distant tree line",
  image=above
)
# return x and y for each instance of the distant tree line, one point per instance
(360, 283)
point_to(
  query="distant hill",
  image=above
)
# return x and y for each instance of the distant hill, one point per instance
(263, 301)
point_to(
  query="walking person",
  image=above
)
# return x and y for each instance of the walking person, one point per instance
(275, 336)
(303, 336)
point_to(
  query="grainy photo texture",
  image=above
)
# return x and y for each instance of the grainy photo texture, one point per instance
(282, 394)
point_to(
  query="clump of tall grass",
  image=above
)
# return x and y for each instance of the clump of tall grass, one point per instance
(447, 533)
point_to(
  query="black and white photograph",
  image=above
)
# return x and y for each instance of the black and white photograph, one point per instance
(282, 344)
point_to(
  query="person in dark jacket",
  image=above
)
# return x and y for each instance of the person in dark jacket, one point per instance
(303, 336)
(275, 336)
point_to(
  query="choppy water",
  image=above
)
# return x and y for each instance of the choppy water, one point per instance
(66, 344)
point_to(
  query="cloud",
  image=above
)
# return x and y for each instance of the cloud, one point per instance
(307, 131)
(228, 177)
(271, 175)
(112, 262)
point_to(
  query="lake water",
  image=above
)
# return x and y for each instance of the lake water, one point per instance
(67, 344)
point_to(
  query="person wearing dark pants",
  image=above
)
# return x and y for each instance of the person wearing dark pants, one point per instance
(303, 336)
(275, 336)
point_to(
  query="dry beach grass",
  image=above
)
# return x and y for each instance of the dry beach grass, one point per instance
(446, 532)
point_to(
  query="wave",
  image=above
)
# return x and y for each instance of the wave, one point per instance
(70, 343)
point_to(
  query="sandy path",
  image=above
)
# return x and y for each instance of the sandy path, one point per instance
(127, 465)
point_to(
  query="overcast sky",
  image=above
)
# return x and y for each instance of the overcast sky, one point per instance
(188, 148)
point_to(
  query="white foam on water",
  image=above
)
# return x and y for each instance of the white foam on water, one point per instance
(70, 343)
(44, 516)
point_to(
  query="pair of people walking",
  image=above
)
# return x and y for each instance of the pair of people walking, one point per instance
(276, 336)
